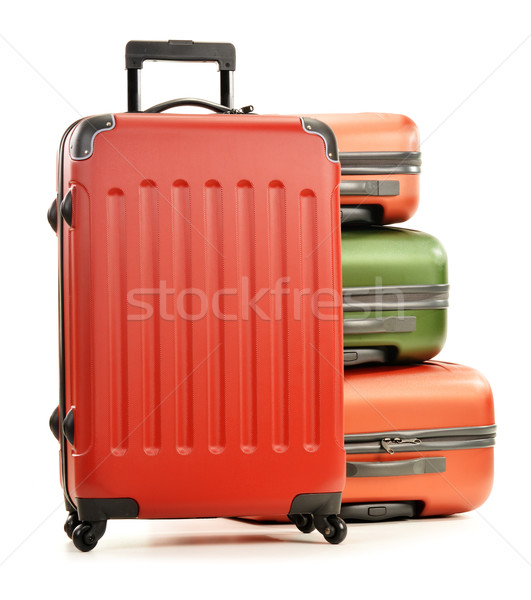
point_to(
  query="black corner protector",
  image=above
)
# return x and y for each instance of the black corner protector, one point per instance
(54, 423)
(68, 426)
(101, 509)
(82, 140)
(52, 215)
(66, 208)
(316, 504)
(325, 131)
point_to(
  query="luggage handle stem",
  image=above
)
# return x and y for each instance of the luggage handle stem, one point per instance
(136, 52)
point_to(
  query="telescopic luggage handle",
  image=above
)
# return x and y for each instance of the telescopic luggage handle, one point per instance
(136, 52)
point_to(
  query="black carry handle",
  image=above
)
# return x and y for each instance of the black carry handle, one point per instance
(136, 52)
(217, 108)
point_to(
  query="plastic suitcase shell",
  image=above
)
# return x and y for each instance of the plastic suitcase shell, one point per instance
(395, 295)
(165, 416)
(121, 240)
(419, 441)
(380, 167)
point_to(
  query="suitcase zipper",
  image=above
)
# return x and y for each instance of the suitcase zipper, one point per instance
(425, 440)
(380, 163)
(388, 442)
(396, 297)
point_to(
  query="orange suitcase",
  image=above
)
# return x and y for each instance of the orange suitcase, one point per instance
(419, 441)
(177, 234)
(380, 166)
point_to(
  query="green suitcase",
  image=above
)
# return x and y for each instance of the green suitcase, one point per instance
(395, 295)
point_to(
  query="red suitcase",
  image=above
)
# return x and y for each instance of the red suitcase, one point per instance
(380, 167)
(419, 441)
(201, 354)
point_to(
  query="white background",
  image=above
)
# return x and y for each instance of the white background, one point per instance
(461, 71)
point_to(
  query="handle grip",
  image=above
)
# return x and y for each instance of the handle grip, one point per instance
(217, 108)
(136, 52)
(398, 468)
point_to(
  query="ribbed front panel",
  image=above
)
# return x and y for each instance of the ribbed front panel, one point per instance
(117, 286)
(214, 261)
(202, 303)
(149, 283)
(183, 331)
(278, 270)
(309, 249)
(246, 244)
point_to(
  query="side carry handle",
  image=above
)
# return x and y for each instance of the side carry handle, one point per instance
(415, 466)
(52, 215)
(136, 52)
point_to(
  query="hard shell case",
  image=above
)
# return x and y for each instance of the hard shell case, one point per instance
(419, 441)
(380, 166)
(395, 295)
(197, 378)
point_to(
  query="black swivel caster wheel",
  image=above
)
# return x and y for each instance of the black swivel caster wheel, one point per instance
(333, 528)
(72, 521)
(86, 535)
(304, 523)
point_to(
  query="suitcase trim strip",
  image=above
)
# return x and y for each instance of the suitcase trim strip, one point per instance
(62, 386)
(430, 440)
(380, 163)
(403, 297)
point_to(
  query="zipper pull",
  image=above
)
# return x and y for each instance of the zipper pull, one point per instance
(385, 445)
(387, 442)
(245, 110)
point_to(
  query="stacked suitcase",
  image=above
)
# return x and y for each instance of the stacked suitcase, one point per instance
(419, 434)
(197, 378)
